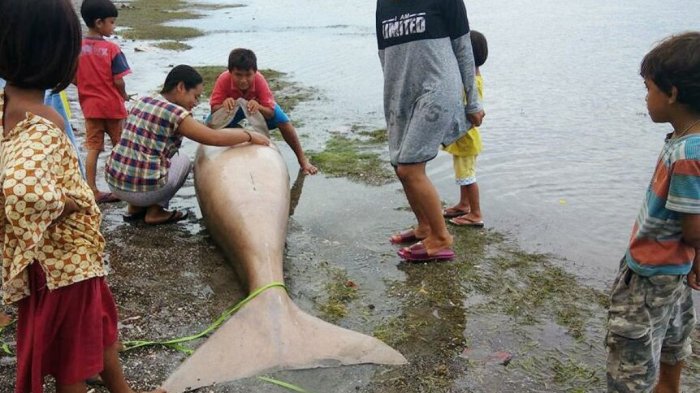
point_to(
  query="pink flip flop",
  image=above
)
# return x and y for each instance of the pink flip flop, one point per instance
(418, 253)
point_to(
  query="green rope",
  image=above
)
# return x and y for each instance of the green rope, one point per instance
(5, 347)
(175, 343)
(283, 384)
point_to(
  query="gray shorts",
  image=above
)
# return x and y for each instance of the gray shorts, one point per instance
(180, 167)
(650, 321)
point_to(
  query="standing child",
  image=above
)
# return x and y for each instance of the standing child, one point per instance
(243, 80)
(467, 212)
(651, 312)
(101, 88)
(52, 249)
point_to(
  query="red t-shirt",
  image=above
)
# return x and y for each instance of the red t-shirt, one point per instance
(258, 91)
(100, 62)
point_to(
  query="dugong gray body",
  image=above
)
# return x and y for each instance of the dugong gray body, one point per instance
(243, 193)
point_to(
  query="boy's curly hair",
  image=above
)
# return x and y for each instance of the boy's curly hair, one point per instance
(675, 62)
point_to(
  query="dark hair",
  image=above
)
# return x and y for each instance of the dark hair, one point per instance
(242, 59)
(39, 43)
(480, 47)
(92, 10)
(675, 62)
(181, 73)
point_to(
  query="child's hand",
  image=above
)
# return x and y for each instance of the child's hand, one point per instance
(69, 208)
(253, 106)
(259, 139)
(694, 275)
(308, 168)
(229, 104)
(476, 118)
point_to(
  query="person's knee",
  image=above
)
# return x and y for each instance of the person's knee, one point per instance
(409, 173)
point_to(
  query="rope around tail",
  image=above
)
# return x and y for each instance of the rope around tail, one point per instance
(175, 343)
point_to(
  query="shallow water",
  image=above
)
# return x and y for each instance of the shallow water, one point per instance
(568, 145)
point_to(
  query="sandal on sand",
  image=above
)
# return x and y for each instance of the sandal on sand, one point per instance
(452, 212)
(130, 217)
(407, 236)
(175, 216)
(106, 197)
(418, 253)
(464, 221)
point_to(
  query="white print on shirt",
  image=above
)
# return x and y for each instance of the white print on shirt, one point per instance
(404, 25)
(90, 50)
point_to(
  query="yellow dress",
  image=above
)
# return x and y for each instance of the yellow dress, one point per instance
(470, 144)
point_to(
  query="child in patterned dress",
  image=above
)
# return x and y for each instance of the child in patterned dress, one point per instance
(52, 249)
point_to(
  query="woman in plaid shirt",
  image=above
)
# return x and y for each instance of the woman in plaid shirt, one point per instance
(145, 168)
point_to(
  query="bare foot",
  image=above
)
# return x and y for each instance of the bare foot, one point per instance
(4, 319)
(164, 217)
(135, 210)
(105, 197)
(454, 211)
(433, 244)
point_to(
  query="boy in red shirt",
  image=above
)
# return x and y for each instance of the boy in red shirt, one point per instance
(243, 80)
(101, 88)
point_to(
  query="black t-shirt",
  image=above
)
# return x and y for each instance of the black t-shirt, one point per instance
(401, 21)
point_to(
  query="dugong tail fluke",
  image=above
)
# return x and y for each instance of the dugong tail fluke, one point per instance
(244, 196)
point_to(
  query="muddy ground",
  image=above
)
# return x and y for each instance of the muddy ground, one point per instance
(497, 319)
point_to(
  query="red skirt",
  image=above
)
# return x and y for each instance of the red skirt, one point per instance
(63, 332)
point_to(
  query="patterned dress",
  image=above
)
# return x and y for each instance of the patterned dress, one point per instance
(38, 170)
(52, 269)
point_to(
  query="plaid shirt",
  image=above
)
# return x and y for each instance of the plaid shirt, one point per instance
(141, 160)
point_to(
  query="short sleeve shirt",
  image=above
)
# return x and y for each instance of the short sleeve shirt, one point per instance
(100, 62)
(38, 170)
(140, 161)
(656, 246)
(225, 88)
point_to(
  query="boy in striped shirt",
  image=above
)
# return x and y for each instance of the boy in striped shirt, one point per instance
(651, 313)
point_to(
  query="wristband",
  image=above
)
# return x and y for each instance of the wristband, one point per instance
(250, 137)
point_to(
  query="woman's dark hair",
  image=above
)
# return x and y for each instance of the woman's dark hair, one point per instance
(181, 73)
(92, 10)
(480, 47)
(242, 59)
(675, 62)
(39, 43)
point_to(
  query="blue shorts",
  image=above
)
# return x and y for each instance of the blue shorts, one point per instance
(279, 117)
